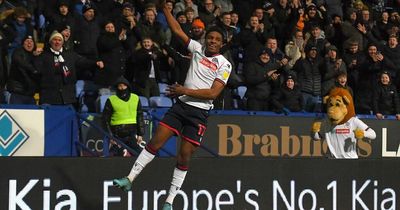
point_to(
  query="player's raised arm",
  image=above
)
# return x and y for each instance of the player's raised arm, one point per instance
(174, 25)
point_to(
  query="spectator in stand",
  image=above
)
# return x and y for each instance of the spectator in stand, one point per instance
(183, 5)
(208, 12)
(294, 49)
(386, 98)
(87, 33)
(149, 27)
(391, 51)
(333, 67)
(315, 16)
(225, 5)
(198, 31)
(161, 16)
(368, 77)
(353, 57)
(288, 98)
(65, 30)
(22, 82)
(224, 24)
(62, 17)
(123, 118)
(147, 61)
(309, 73)
(341, 81)
(20, 25)
(127, 20)
(318, 40)
(265, 23)
(381, 28)
(189, 13)
(259, 76)
(235, 22)
(112, 47)
(57, 72)
(251, 38)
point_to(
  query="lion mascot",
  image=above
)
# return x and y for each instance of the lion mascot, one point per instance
(341, 129)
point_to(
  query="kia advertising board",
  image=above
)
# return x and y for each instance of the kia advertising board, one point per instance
(211, 184)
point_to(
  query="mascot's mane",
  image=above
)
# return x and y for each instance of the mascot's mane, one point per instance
(337, 91)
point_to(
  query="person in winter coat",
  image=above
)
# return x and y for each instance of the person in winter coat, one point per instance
(112, 47)
(259, 76)
(333, 67)
(386, 98)
(147, 73)
(288, 98)
(57, 72)
(22, 82)
(309, 72)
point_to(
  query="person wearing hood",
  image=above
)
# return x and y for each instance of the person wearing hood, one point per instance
(112, 47)
(385, 100)
(123, 118)
(259, 76)
(22, 82)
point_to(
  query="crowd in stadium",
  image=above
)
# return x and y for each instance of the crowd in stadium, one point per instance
(287, 54)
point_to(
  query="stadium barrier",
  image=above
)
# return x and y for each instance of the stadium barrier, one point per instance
(55, 131)
(211, 184)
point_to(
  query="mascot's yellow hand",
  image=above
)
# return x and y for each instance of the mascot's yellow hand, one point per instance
(359, 133)
(316, 127)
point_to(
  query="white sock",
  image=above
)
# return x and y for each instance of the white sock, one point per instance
(176, 183)
(144, 158)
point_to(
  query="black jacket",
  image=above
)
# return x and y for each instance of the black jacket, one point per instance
(386, 100)
(54, 87)
(113, 55)
(291, 99)
(142, 61)
(309, 75)
(259, 85)
(22, 78)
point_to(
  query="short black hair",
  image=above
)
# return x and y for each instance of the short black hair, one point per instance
(215, 29)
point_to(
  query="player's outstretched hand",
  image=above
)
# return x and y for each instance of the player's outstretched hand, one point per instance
(175, 90)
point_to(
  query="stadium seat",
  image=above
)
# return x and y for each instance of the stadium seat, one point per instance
(144, 101)
(160, 102)
(163, 88)
(241, 91)
(101, 102)
(79, 85)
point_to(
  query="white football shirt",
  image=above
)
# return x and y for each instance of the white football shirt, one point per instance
(341, 139)
(202, 72)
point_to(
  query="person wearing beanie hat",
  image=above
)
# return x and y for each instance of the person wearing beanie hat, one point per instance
(86, 7)
(385, 97)
(21, 81)
(123, 118)
(288, 98)
(86, 31)
(58, 72)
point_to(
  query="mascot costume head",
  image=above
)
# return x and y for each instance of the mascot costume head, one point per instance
(339, 105)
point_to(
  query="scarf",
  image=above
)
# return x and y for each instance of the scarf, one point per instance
(59, 63)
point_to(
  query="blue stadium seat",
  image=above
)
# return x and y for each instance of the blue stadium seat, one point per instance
(144, 101)
(101, 102)
(241, 91)
(163, 88)
(79, 85)
(160, 102)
